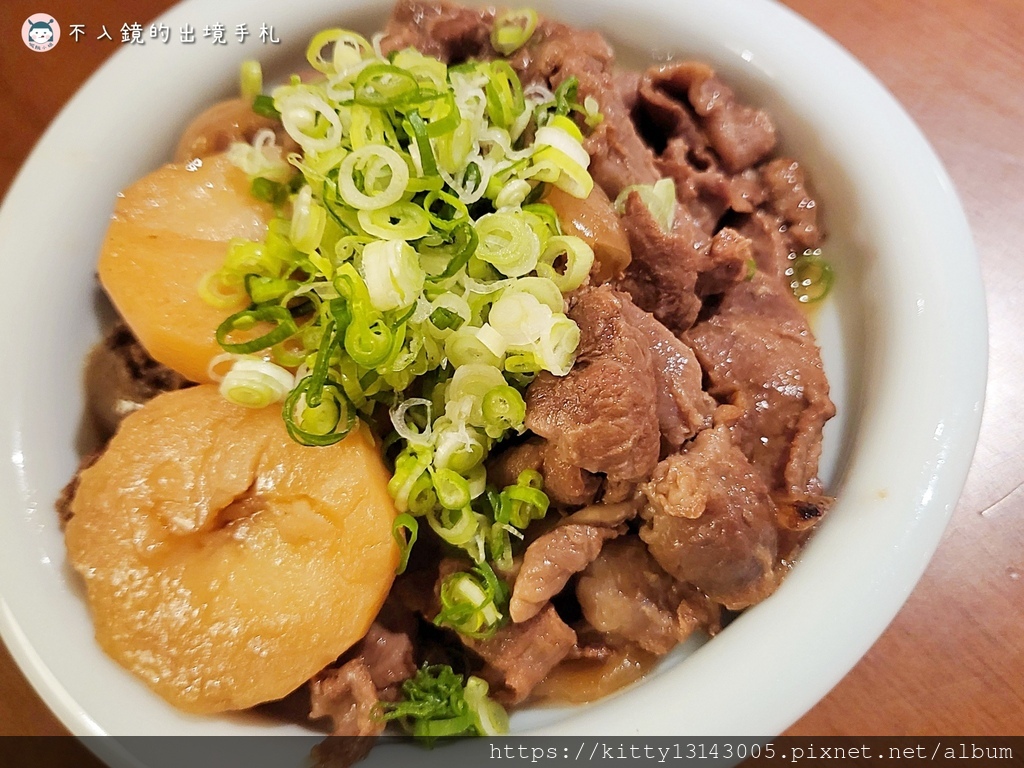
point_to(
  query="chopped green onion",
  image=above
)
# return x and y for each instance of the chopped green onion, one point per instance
(393, 275)
(308, 118)
(263, 106)
(578, 258)
(404, 522)
(490, 718)
(463, 245)
(385, 85)
(503, 409)
(660, 199)
(368, 342)
(256, 383)
(384, 175)
(349, 49)
(811, 277)
(557, 348)
(520, 318)
(325, 424)
(436, 702)
(309, 220)
(401, 221)
(248, 319)
(418, 128)
(267, 190)
(512, 30)
(565, 95)
(444, 319)
(473, 602)
(218, 291)
(251, 79)
(451, 488)
(263, 289)
(504, 94)
(508, 243)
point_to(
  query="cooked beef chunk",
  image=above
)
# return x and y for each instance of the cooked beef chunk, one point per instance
(628, 597)
(612, 515)
(732, 260)
(603, 415)
(549, 563)
(789, 197)
(388, 652)
(664, 267)
(687, 99)
(662, 276)
(634, 388)
(760, 355)
(564, 483)
(683, 407)
(120, 376)
(705, 191)
(521, 655)
(619, 156)
(346, 695)
(553, 557)
(368, 673)
(449, 32)
(710, 521)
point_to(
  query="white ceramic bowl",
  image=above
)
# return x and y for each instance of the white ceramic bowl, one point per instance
(904, 340)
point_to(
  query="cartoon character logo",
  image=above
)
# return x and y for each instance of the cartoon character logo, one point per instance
(40, 32)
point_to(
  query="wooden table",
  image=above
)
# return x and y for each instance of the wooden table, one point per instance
(953, 660)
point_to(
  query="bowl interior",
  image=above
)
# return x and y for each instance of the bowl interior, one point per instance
(907, 379)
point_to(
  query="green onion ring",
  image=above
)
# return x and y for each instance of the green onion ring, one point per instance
(335, 434)
(249, 317)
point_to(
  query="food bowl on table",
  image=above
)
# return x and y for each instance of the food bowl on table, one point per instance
(902, 336)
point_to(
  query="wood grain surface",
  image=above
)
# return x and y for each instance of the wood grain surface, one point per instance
(952, 662)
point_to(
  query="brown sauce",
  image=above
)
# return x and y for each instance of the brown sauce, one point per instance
(577, 681)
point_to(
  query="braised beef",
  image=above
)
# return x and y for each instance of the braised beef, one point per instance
(789, 197)
(619, 156)
(520, 655)
(689, 100)
(760, 355)
(120, 377)
(388, 653)
(628, 597)
(450, 32)
(603, 415)
(662, 276)
(564, 483)
(553, 557)
(683, 407)
(711, 522)
(347, 696)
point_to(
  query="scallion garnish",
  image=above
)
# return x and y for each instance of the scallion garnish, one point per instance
(436, 702)
(473, 602)
(411, 268)
(264, 105)
(811, 277)
(512, 29)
